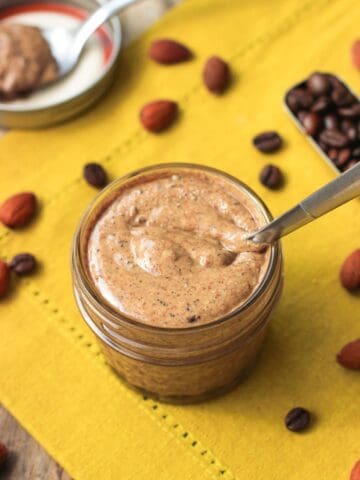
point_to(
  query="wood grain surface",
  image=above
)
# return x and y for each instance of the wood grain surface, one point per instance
(27, 459)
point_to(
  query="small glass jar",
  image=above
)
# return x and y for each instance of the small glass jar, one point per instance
(180, 365)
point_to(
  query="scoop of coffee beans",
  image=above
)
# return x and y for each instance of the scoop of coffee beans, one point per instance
(330, 113)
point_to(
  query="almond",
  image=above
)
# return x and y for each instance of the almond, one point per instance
(159, 115)
(216, 75)
(18, 210)
(349, 355)
(355, 472)
(169, 51)
(350, 271)
(4, 278)
(355, 54)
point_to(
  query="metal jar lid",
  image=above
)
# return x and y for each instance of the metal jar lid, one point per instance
(84, 86)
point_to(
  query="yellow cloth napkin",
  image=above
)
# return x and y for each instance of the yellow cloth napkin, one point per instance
(53, 378)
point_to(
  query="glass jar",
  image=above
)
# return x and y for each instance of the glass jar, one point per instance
(176, 364)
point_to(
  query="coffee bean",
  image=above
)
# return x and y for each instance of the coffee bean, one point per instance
(350, 112)
(267, 142)
(299, 99)
(352, 134)
(301, 115)
(95, 175)
(4, 454)
(342, 157)
(350, 164)
(334, 81)
(271, 177)
(312, 123)
(334, 138)
(23, 264)
(342, 97)
(356, 152)
(297, 419)
(332, 154)
(331, 121)
(346, 124)
(322, 146)
(321, 104)
(318, 84)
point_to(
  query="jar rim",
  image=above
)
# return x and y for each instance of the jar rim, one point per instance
(106, 308)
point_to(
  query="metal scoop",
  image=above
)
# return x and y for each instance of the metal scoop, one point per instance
(67, 45)
(332, 195)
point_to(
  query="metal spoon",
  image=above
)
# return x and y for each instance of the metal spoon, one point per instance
(332, 195)
(67, 45)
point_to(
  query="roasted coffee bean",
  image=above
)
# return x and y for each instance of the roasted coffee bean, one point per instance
(342, 97)
(297, 419)
(312, 123)
(350, 164)
(267, 142)
(95, 175)
(334, 81)
(352, 134)
(318, 84)
(23, 264)
(4, 454)
(321, 104)
(346, 124)
(348, 127)
(350, 112)
(271, 177)
(331, 121)
(322, 146)
(301, 115)
(342, 157)
(356, 152)
(299, 99)
(332, 154)
(334, 138)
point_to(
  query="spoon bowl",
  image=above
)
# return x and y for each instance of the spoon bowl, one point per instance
(68, 44)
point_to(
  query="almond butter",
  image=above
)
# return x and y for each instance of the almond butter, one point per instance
(355, 472)
(4, 278)
(169, 51)
(216, 75)
(159, 115)
(349, 355)
(355, 54)
(18, 210)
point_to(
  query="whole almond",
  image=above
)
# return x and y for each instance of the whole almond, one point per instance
(216, 75)
(355, 54)
(355, 472)
(4, 278)
(169, 51)
(349, 355)
(350, 271)
(159, 115)
(18, 210)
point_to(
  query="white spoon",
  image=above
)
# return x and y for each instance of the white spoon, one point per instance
(332, 195)
(67, 45)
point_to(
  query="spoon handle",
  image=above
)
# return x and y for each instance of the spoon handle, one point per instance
(95, 20)
(332, 195)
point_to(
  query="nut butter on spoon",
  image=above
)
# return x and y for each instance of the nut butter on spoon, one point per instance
(332, 195)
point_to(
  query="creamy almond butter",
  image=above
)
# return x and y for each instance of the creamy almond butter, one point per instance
(26, 61)
(170, 251)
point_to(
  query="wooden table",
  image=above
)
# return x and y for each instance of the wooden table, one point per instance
(28, 460)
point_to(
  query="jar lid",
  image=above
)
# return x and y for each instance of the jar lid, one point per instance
(82, 87)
